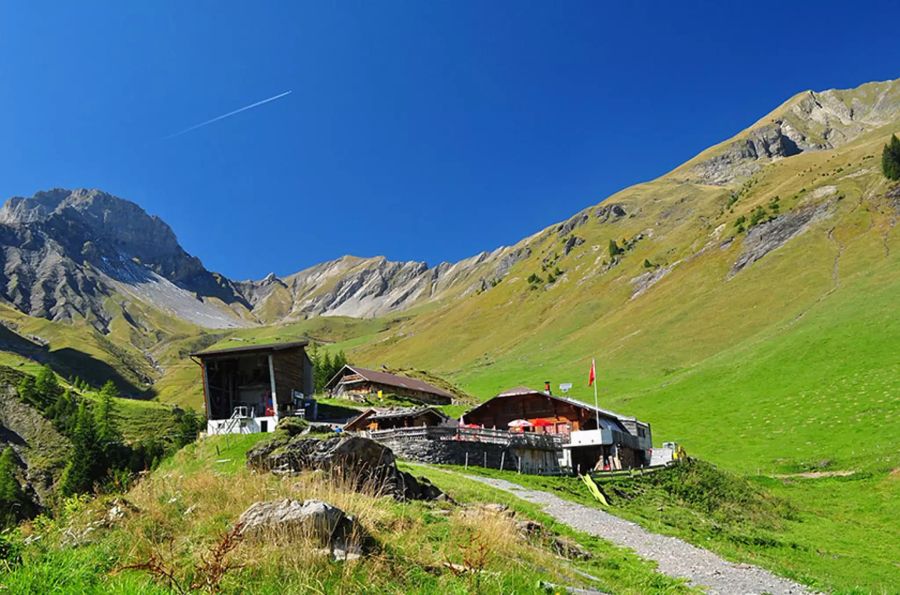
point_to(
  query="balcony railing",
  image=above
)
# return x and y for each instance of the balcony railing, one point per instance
(502, 437)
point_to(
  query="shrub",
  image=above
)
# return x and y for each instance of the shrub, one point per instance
(890, 159)
(614, 249)
(292, 426)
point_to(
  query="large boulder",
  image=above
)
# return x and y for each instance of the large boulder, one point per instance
(363, 464)
(325, 525)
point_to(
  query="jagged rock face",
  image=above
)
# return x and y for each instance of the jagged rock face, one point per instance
(64, 252)
(368, 287)
(742, 158)
(810, 122)
(773, 234)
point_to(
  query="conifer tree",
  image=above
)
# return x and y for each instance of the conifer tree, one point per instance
(63, 412)
(890, 159)
(85, 464)
(27, 390)
(12, 499)
(47, 387)
(107, 432)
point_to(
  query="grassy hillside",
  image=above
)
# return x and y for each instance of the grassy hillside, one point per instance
(178, 514)
(786, 363)
(811, 529)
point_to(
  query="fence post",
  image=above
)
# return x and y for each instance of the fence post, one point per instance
(467, 460)
(502, 459)
(485, 460)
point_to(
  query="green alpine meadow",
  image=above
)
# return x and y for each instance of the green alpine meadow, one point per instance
(684, 383)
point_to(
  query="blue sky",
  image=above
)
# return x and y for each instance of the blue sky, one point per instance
(417, 130)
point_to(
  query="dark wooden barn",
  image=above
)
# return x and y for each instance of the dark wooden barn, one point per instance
(255, 384)
(355, 382)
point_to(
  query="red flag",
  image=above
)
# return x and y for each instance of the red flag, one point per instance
(593, 374)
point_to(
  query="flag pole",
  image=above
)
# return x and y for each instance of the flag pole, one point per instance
(596, 402)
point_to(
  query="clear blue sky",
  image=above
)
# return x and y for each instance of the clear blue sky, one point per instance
(417, 130)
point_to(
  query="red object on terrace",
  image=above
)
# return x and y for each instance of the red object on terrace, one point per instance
(542, 423)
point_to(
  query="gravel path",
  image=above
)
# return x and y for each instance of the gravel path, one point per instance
(673, 556)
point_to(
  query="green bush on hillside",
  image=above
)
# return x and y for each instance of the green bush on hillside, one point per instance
(614, 249)
(890, 159)
(12, 498)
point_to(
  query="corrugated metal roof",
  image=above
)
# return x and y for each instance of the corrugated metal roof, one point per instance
(251, 348)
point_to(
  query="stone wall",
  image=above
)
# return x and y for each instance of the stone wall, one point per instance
(426, 449)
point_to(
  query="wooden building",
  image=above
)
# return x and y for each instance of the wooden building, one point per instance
(247, 389)
(355, 382)
(591, 437)
(404, 417)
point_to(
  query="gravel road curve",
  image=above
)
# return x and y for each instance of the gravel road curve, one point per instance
(673, 556)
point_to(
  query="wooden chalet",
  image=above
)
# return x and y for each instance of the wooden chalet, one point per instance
(355, 382)
(591, 437)
(247, 389)
(404, 417)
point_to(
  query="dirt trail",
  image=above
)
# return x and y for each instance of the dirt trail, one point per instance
(673, 556)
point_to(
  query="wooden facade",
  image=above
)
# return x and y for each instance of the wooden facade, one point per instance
(389, 419)
(355, 382)
(545, 413)
(591, 437)
(263, 379)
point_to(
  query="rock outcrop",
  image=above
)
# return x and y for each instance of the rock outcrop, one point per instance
(773, 234)
(810, 121)
(66, 251)
(323, 523)
(362, 464)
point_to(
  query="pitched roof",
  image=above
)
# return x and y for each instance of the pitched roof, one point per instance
(391, 380)
(252, 348)
(395, 412)
(521, 391)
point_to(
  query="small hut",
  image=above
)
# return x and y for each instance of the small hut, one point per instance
(401, 417)
(354, 382)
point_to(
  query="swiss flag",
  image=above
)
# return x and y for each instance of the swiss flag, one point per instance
(593, 374)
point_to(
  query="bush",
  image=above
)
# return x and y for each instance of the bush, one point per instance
(292, 425)
(890, 159)
(614, 249)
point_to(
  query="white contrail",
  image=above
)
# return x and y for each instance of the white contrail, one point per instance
(229, 114)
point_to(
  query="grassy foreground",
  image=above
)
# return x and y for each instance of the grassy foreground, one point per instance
(177, 516)
(758, 520)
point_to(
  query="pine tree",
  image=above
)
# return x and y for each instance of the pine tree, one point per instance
(107, 432)
(47, 386)
(85, 464)
(890, 159)
(27, 390)
(63, 412)
(323, 368)
(12, 499)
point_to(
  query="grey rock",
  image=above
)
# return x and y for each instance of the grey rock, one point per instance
(571, 243)
(605, 212)
(363, 464)
(327, 525)
(66, 251)
(771, 235)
